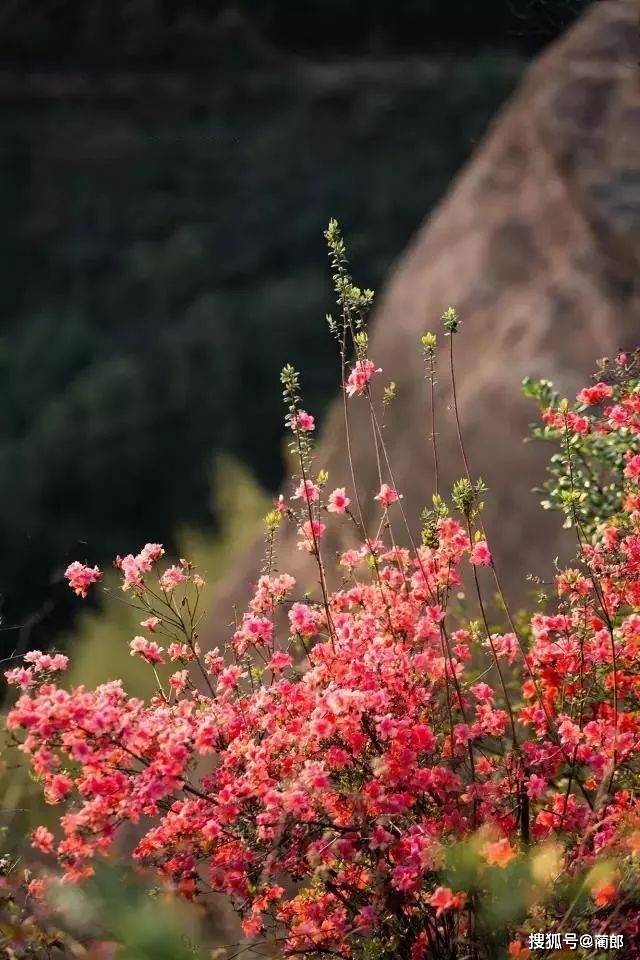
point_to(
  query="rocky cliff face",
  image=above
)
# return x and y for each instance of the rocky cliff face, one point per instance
(538, 247)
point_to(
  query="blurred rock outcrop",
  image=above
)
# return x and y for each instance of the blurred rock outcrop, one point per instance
(538, 247)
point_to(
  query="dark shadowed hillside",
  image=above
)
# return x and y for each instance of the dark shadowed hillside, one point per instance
(166, 171)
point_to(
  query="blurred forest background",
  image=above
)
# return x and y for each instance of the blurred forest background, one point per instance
(166, 171)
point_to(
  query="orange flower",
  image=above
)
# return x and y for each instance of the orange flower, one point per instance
(605, 893)
(499, 854)
(444, 898)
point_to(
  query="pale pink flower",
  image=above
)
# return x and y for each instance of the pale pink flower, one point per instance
(307, 490)
(505, 646)
(147, 649)
(338, 501)
(36, 888)
(480, 554)
(150, 623)
(180, 651)
(20, 677)
(178, 681)
(171, 578)
(149, 555)
(618, 416)
(46, 661)
(387, 495)
(351, 558)
(230, 677)
(42, 839)
(252, 925)
(312, 531)
(81, 577)
(362, 374)
(321, 727)
(380, 838)
(482, 692)
(132, 574)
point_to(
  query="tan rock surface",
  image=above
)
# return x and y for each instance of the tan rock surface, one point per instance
(537, 245)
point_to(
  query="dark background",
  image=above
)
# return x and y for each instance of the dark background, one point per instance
(166, 171)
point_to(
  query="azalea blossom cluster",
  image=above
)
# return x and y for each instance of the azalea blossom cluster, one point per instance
(364, 770)
(350, 773)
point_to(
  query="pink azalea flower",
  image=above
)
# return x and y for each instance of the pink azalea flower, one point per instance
(58, 787)
(595, 394)
(280, 661)
(171, 578)
(311, 531)
(46, 661)
(362, 374)
(43, 840)
(132, 574)
(536, 786)
(149, 555)
(81, 577)
(302, 619)
(303, 421)
(178, 681)
(146, 649)
(20, 677)
(480, 554)
(338, 500)
(351, 558)
(307, 491)
(387, 495)
(632, 469)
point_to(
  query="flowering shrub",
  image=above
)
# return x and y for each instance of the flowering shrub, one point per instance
(364, 772)
(591, 484)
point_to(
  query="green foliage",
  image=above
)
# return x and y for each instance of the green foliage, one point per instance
(585, 474)
(147, 924)
(430, 517)
(353, 302)
(450, 321)
(467, 497)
